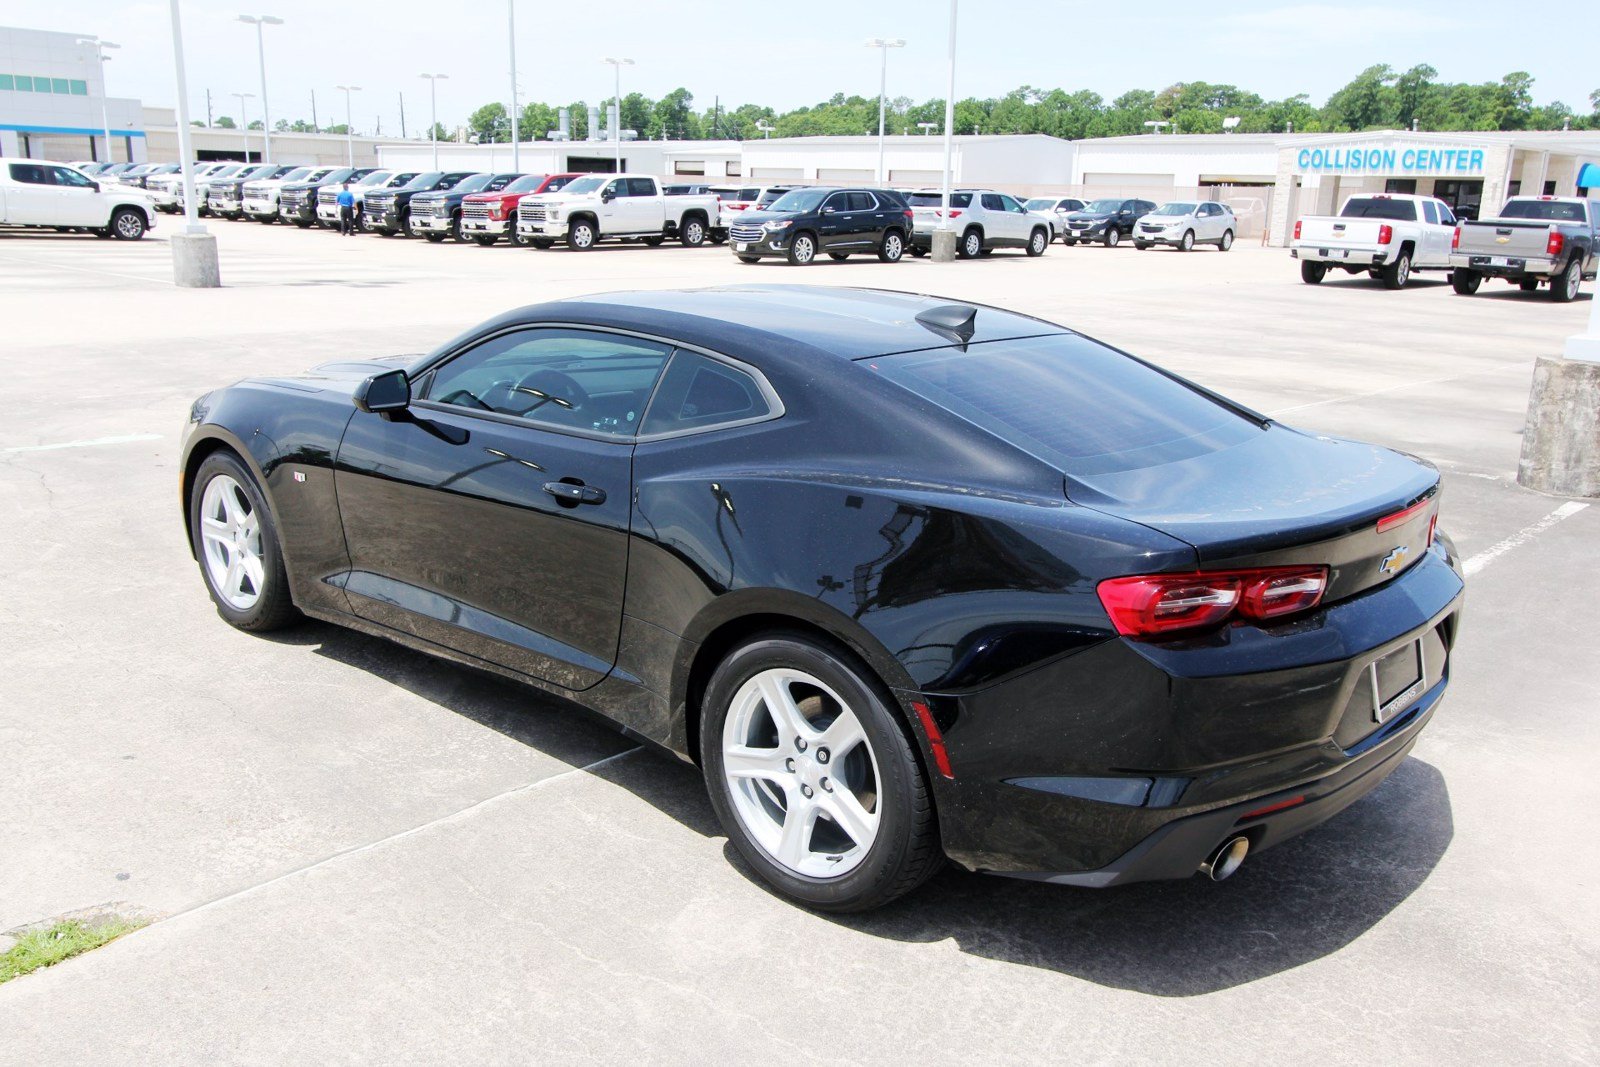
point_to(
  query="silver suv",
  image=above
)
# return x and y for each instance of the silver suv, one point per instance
(1057, 208)
(983, 220)
(1186, 223)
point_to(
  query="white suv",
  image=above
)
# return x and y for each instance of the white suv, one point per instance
(983, 220)
(1186, 223)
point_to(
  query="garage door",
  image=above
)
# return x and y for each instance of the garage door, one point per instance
(777, 172)
(845, 175)
(1141, 181)
(916, 177)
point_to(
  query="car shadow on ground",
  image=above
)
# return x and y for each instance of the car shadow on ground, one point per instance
(1286, 907)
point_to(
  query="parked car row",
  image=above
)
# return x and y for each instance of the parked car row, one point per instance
(1533, 241)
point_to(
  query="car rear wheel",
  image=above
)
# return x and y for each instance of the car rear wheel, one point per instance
(127, 224)
(1226, 242)
(1396, 274)
(1038, 241)
(1312, 273)
(814, 777)
(1465, 282)
(692, 233)
(653, 242)
(236, 544)
(971, 244)
(892, 248)
(1187, 243)
(1113, 236)
(580, 235)
(802, 249)
(1564, 288)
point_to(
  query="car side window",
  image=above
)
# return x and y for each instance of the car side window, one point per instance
(837, 202)
(29, 174)
(71, 178)
(1010, 204)
(1429, 213)
(699, 393)
(862, 202)
(991, 202)
(618, 187)
(1446, 216)
(563, 379)
(641, 187)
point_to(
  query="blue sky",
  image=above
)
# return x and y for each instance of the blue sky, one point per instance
(788, 54)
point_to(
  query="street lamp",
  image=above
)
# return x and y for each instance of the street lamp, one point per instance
(765, 127)
(349, 129)
(433, 112)
(194, 251)
(616, 126)
(883, 44)
(516, 130)
(944, 246)
(927, 128)
(260, 21)
(244, 121)
(105, 119)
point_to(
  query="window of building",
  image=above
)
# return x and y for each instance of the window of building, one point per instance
(8, 82)
(731, 169)
(60, 85)
(80, 88)
(24, 84)
(689, 166)
(1550, 188)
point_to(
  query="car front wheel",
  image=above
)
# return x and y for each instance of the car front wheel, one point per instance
(1226, 242)
(1113, 236)
(580, 236)
(802, 249)
(1187, 244)
(1038, 241)
(127, 224)
(236, 543)
(814, 777)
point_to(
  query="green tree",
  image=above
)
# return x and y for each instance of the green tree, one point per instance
(1369, 101)
(1513, 101)
(536, 120)
(1412, 90)
(675, 118)
(490, 123)
(225, 122)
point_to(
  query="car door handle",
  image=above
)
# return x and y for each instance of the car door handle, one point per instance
(568, 493)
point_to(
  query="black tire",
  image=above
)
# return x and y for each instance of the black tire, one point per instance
(102, 232)
(457, 233)
(1038, 241)
(1113, 237)
(1186, 242)
(302, 224)
(484, 240)
(1465, 282)
(1396, 274)
(1528, 285)
(1564, 286)
(1312, 273)
(971, 246)
(1141, 246)
(653, 242)
(802, 249)
(905, 851)
(749, 259)
(274, 608)
(128, 224)
(434, 238)
(692, 232)
(541, 242)
(581, 235)
(1069, 241)
(719, 237)
(838, 257)
(892, 248)
(917, 251)
(1226, 242)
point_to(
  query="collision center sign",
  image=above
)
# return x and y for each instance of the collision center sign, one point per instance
(1418, 160)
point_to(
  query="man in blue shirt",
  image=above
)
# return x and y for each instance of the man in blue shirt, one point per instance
(347, 211)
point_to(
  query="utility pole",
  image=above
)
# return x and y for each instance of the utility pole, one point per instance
(402, 116)
(314, 127)
(208, 109)
(516, 129)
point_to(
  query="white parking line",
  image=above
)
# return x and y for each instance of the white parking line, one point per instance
(125, 439)
(1521, 537)
(88, 270)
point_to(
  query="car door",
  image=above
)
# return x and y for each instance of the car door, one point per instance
(833, 223)
(613, 207)
(1434, 250)
(647, 206)
(1019, 222)
(491, 516)
(78, 199)
(30, 197)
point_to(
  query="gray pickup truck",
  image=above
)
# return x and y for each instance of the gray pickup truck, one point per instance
(1533, 240)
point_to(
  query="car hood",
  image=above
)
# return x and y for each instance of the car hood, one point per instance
(339, 376)
(1089, 216)
(1165, 220)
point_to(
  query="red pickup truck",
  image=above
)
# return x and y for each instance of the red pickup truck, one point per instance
(487, 217)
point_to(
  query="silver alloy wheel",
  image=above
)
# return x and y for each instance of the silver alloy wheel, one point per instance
(1113, 235)
(804, 250)
(1227, 240)
(1572, 280)
(1402, 272)
(893, 247)
(1039, 242)
(230, 539)
(973, 244)
(129, 225)
(694, 232)
(801, 773)
(582, 235)
(1188, 240)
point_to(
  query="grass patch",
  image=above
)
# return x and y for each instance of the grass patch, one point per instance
(61, 941)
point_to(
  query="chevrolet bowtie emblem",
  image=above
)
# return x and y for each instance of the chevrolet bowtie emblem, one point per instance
(1395, 560)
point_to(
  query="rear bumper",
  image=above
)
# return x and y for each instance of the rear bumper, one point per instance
(1340, 257)
(1494, 266)
(1130, 761)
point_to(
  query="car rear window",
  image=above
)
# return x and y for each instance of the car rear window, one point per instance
(937, 199)
(1076, 404)
(1545, 210)
(1375, 207)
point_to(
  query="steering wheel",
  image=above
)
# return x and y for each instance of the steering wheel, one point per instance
(546, 386)
(465, 399)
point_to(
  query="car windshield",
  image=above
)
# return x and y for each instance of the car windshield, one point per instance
(1105, 207)
(586, 185)
(525, 184)
(1174, 209)
(377, 177)
(1375, 207)
(401, 180)
(296, 175)
(423, 181)
(1040, 203)
(937, 199)
(1081, 407)
(799, 200)
(1545, 210)
(498, 182)
(470, 184)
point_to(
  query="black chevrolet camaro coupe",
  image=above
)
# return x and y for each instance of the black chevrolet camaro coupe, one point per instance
(908, 578)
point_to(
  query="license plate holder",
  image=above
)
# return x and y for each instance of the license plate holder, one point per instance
(1397, 679)
(740, 247)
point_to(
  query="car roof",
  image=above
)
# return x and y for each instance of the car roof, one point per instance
(768, 325)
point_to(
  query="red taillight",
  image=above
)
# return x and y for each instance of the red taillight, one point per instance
(955, 213)
(1297, 229)
(1433, 528)
(1400, 518)
(1282, 805)
(1455, 239)
(1149, 605)
(1385, 234)
(910, 214)
(1557, 242)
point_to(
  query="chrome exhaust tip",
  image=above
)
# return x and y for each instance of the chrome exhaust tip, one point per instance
(1228, 858)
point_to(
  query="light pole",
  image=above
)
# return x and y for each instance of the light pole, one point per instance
(194, 251)
(244, 121)
(516, 129)
(944, 242)
(105, 118)
(259, 22)
(927, 128)
(616, 127)
(765, 127)
(433, 112)
(349, 130)
(883, 44)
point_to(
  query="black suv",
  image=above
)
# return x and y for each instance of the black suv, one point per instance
(803, 222)
(388, 211)
(1108, 221)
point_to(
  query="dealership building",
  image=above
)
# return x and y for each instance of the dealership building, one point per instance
(53, 102)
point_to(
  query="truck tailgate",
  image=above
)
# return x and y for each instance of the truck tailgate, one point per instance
(1521, 238)
(1329, 232)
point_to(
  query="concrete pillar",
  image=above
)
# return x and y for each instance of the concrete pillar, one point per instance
(944, 246)
(1561, 439)
(194, 261)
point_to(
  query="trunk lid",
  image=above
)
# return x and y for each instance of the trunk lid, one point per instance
(1283, 497)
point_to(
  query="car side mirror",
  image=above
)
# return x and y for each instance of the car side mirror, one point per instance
(381, 393)
(829, 210)
(95, 186)
(606, 195)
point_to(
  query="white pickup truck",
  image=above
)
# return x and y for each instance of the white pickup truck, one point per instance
(597, 207)
(261, 197)
(36, 193)
(1388, 235)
